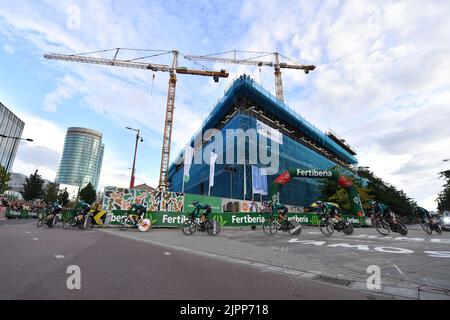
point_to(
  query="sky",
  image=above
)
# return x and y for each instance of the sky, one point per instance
(382, 78)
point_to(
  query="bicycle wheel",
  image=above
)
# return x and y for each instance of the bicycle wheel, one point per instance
(382, 227)
(426, 227)
(270, 227)
(402, 229)
(266, 225)
(348, 230)
(294, 228)
(212, 227)
(40, 222)
(189, 227)
(326, 227)
(438, 228)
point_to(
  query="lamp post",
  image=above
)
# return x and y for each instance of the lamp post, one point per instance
(10, 156)
(138, 137)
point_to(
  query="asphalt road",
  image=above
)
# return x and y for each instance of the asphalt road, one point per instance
(34, 264)
(413, 267)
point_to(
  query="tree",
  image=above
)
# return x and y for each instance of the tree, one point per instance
(88, 194)
(51, 194)
(33, 188)
(443, 199)
(4, 179)
(63, 197)
(388, 194)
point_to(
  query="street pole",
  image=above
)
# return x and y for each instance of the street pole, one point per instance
(11, 154)
(133, 170)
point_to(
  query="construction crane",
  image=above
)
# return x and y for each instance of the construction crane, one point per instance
(173, 70)
(276, 64)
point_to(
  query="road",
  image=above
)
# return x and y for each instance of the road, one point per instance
(34, 264)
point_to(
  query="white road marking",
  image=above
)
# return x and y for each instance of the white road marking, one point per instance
(27, 232)
(167, 253)
(35, 239)
(400, 271)
(59, 256)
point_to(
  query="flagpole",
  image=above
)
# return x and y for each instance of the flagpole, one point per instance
(245, 180)
(182, 188)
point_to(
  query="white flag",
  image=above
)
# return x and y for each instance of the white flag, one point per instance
(188, 155)
(259, 180)
(212, 164)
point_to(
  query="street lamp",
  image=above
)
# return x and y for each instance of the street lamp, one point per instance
(11, 155)
(133, 170)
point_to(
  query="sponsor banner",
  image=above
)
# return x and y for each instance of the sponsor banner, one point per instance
(214, 202)
(226, 219)
(22, 214)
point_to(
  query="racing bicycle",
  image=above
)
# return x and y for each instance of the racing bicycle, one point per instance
(431, 225)
(212, 227)
(48, 218)
(129, 222)
(384, 226)
(328, 224)
(272, 226)
(73, 220)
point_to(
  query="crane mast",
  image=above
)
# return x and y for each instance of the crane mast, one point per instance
(170, 107)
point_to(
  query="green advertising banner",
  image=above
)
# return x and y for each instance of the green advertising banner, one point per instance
(215, 203)
(227, 219)
(20, 214)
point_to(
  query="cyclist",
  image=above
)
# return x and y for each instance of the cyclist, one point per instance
(282, 211)
(380, 209)
(84, 210)
(139, 210)
(207, 210)
(55, 208)
(424, 215)
(325, 209)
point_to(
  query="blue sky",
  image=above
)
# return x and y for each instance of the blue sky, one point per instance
(381, 80)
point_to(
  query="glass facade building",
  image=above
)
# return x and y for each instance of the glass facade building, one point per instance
(245, 106)
(82, 158)
(11, 126)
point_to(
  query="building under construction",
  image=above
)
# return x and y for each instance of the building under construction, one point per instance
(246, 105)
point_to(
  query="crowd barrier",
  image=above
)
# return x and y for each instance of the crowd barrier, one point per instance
(176, 219)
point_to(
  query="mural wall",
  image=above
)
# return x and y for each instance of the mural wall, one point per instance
(122, 199)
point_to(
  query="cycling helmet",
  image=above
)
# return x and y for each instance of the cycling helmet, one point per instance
(372, 202)
(319, 203)
(195, 202)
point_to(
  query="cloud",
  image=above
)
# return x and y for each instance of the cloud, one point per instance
(9, 49)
